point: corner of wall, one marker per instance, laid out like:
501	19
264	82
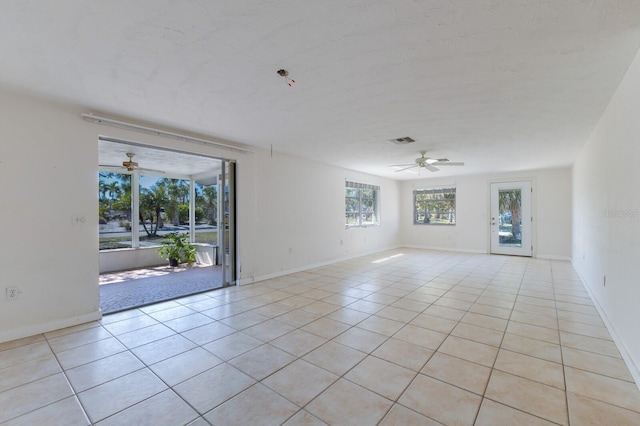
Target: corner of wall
632	364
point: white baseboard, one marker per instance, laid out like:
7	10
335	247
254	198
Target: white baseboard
448	249
473	251
31	330
632	365
250	280
264	277
553	257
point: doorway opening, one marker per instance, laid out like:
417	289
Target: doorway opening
150	197
511	218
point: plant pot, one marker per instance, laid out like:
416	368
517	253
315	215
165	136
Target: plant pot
174	262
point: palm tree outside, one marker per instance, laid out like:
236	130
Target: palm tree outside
510	201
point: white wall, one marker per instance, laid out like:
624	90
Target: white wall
306	223
48	170
551	212
606	214
48	174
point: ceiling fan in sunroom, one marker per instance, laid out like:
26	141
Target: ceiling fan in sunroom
128	165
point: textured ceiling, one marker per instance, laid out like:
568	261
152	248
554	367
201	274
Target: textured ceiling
499	84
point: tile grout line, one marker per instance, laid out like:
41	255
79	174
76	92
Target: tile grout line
66	377
402	280
499	347
564	374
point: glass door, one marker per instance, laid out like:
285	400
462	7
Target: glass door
227	226
511	218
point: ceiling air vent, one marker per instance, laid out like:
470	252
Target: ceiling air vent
402	141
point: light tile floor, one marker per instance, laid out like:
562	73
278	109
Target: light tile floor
401	338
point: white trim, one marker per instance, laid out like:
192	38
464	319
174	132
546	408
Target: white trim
553	257
123	124
31	330
634	368
544	257
418	187
534	208
417	246
526	209
251	280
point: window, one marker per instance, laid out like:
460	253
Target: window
114	210
436	206
164	207
361	204
206	213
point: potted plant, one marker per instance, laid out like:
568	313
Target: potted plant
176	248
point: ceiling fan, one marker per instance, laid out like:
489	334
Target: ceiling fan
428	163
130	165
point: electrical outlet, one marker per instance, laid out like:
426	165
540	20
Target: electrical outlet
13	293
78	220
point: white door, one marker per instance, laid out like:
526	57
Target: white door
511	218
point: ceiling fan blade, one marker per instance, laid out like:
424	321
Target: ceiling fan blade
111	167
431	168
407	168
122	169
449	163
402	165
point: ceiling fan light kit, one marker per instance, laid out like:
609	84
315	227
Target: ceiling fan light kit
428	163
130	165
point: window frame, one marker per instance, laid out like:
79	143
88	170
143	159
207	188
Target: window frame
361	200
434	191
104	176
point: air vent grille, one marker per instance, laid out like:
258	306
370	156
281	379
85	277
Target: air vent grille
402	141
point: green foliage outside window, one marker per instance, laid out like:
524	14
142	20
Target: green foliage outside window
162	202
434	206
361	204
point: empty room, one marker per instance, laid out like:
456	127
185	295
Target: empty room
320	213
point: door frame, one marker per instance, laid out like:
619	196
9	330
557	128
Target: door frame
531	181
227	237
